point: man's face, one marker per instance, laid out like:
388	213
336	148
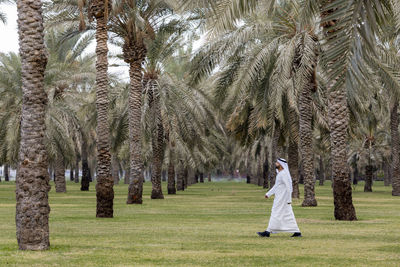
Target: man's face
277	165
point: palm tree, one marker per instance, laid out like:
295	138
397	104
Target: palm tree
100	9
135	22
32	185
349	30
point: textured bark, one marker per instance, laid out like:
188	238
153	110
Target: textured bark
134	56
293	163
157	143
105	182
115	169
171	179
6	173
321	171
338	120
369	173
85	181
394	132
338	124
59	171
32	183
305	128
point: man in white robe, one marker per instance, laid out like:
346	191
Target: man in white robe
282	217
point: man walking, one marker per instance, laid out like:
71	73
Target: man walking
282	217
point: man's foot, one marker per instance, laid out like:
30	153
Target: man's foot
298	234
264	234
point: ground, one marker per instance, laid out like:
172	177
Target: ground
210	224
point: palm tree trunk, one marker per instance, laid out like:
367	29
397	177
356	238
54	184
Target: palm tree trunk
293	163
369	172
85	181
338	120
266	171
115	169
180	184
59	171
71	174
76	177
105	183
185	178
201	177
135	104
305	135
6	173
171	179
321	171
158	145
394	132
274	145
32	182
127	175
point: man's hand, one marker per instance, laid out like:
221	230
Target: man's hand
266	196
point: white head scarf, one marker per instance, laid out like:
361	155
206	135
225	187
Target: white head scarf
285	167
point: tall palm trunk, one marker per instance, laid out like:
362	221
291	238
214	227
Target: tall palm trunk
104	187
6	173
266	171
32	183
76	176
321	171
115	169
135	56
338	120
305	119
157	143
293	151
338	124
293	163
85	181
201	177
394	132
180	183
171	179
274	145
71	174
369	173
59	171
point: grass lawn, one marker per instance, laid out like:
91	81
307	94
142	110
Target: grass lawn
210	224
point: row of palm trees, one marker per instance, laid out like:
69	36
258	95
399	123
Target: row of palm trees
273	78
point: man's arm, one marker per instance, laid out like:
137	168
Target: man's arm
271	192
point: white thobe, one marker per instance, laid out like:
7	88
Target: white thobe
282	217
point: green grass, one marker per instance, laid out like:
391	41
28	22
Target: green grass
211	224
